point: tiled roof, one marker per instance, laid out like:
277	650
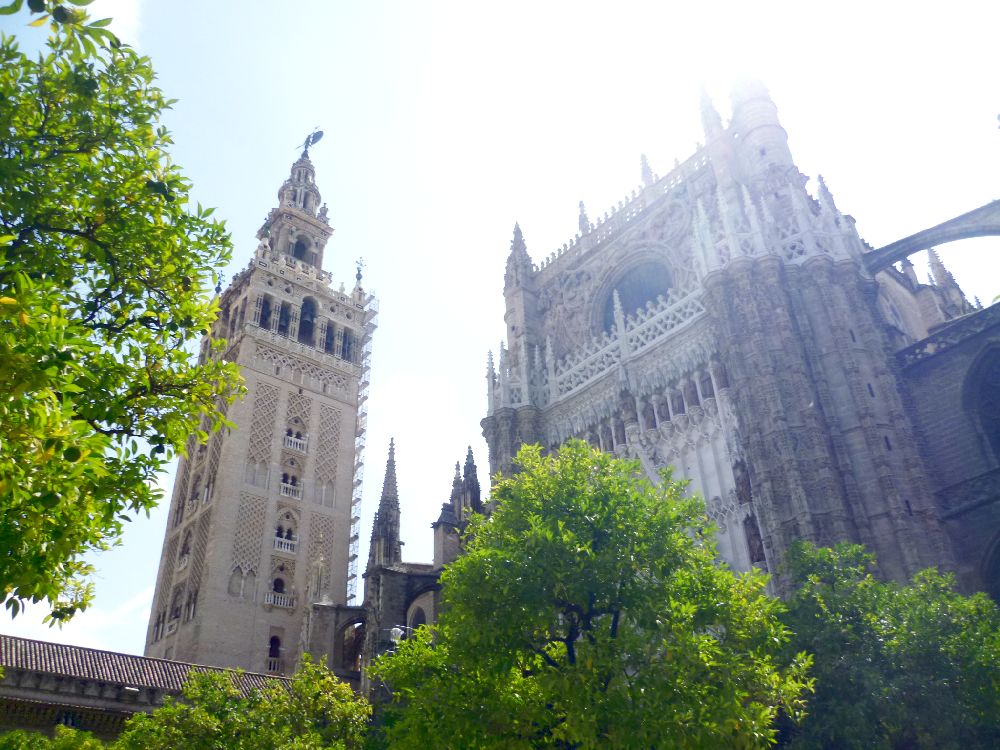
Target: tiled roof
106	666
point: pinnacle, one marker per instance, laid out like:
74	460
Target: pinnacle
517	243
390	492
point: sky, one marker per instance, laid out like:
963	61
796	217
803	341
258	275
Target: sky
446	122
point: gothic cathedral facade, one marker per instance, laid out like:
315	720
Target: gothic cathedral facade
724	321
264	518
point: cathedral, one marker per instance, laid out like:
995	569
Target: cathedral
726	319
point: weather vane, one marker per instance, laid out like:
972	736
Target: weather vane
361	264
311	140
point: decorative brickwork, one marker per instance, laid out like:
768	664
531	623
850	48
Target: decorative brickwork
249	533
262	423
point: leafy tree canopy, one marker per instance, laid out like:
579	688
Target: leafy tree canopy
588	612
105	280
313	710
915	666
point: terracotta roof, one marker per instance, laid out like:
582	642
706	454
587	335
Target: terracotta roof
106	666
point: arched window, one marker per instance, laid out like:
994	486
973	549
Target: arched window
307	322
191	606
265	312
175	606
982	398
641	284
278	586
755	545
347	347
284	318
301	249
186	544
418	618
331	332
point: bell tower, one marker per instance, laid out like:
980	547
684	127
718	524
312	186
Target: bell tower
264	518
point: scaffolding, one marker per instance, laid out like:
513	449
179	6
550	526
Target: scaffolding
371	313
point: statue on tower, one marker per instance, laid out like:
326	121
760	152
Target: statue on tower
311	140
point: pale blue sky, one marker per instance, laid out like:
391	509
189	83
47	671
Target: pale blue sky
446	122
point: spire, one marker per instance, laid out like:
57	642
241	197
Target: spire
826	197
647	173
519	267
386	548
457	487
517	244
710	119
584	221
941	275
470	481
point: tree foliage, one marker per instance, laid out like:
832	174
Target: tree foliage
589	611
105	277
312	711
915	666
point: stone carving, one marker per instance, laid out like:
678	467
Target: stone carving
317	373
299	407
321	531
200	548
327	453
249	533
262	423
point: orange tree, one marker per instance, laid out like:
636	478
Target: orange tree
589	611
105	282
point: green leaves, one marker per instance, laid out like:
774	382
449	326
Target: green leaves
914	666
103	292
589	612
313	710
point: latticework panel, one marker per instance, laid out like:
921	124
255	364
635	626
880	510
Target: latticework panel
328	444
167	570
299	407
262	423
249	533
200	547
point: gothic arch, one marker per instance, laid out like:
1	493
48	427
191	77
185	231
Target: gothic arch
307	322
645	276
981	398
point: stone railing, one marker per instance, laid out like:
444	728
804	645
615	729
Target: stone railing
291	490
275	599
952	334
646	328
285	545
296	444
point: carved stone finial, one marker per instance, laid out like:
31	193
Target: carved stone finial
584	221
647	173
517	243
710	119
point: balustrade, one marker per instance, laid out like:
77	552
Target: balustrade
291	490
279	600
